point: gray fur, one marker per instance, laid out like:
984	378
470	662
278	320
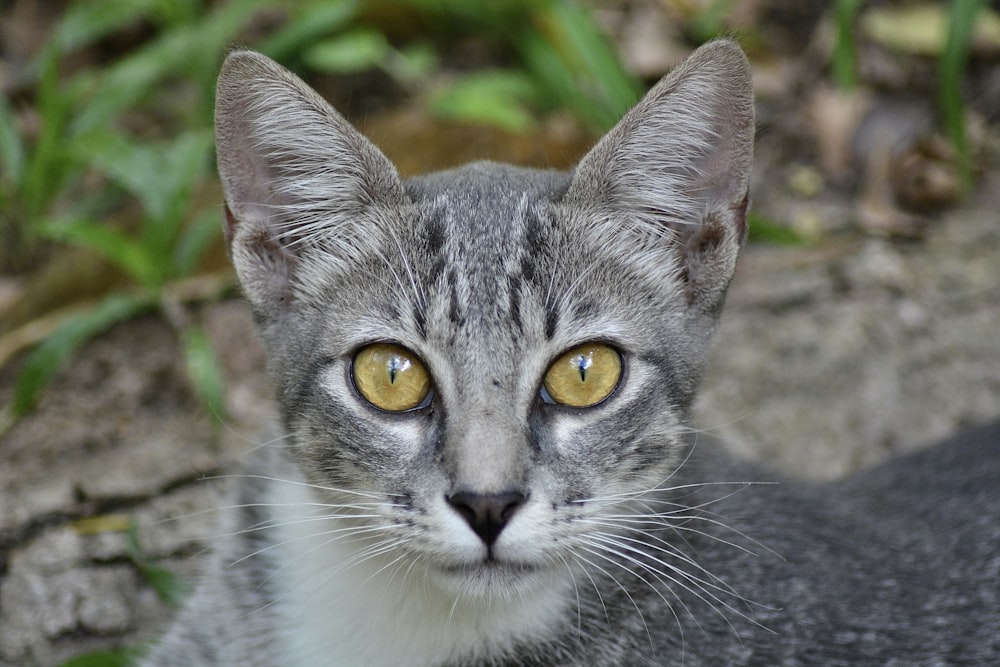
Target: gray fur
640	543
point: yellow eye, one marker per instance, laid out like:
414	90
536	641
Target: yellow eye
390	377
584	376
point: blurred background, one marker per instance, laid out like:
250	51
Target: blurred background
863	321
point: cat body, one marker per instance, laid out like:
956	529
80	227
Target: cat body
484	377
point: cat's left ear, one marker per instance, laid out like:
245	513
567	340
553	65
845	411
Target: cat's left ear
675	172
304	189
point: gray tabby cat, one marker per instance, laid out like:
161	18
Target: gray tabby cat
484	377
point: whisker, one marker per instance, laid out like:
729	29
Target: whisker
612	556
677	523
373	550
275	523
634	495
576	591
672	551
690	583
350	530
642	618
597	589
319	487
360	507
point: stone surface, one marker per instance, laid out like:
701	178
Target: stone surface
878	348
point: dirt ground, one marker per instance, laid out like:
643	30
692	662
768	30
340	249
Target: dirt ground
832	355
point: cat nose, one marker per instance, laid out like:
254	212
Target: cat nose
486	513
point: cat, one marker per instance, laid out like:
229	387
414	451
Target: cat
484	377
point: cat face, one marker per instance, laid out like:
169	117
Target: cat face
473	325
488	368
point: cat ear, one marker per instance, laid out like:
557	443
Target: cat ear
297	177
676	169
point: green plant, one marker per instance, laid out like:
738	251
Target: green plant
33	173
927	30
81	134
562	58
160	175
41	171
766	230
163	247
951	66
845	49
710	22
564	49
169	587
119	658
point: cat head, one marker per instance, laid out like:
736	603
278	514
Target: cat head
498	353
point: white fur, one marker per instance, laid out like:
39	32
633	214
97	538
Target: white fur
381	613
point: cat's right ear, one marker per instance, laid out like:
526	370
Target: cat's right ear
668	185
300	182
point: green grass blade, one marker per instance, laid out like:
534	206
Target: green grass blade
160	175
52	353
354	51
951	69
125	657
11	149
190	51
112	244
493	97
616	89
308	23
169	586
572	58
845	50
765	230
85	22
204	371
49	162
194	241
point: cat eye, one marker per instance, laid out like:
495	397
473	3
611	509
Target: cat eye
583	376
391	377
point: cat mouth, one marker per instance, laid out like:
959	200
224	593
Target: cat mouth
491	564
489	578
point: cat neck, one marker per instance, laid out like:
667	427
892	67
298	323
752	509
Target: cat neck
347	606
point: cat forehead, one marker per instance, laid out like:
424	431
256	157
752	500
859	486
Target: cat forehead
496	245
483	199
483	224
484	181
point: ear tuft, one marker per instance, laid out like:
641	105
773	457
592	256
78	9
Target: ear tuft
264	264
708	259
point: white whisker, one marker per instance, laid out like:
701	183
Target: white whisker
318	487
599	554
692	584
